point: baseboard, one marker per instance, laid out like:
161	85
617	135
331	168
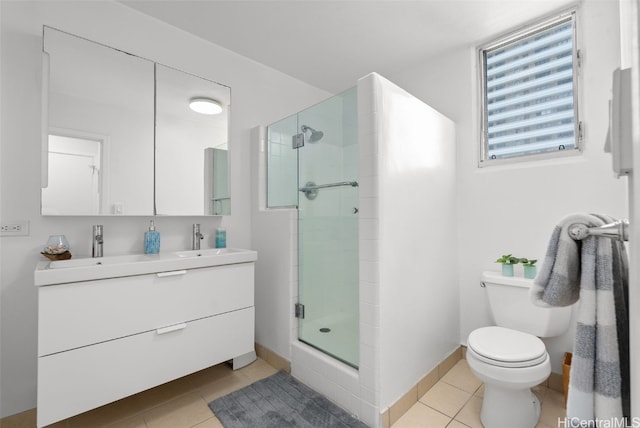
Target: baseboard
272	358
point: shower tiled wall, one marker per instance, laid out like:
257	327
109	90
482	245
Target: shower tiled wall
282	164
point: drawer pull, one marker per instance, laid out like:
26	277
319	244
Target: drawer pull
171	328
172	273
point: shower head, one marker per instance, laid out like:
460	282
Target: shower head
315	135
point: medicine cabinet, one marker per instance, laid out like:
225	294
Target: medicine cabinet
121	138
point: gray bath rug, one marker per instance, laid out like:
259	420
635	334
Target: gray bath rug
280	401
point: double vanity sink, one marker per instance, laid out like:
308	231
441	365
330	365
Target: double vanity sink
73	270
110	327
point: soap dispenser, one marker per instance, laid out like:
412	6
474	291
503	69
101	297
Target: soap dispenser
151	240
221	238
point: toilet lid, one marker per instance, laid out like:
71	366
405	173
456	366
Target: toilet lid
506	347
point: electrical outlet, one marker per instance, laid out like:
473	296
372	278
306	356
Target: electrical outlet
15	228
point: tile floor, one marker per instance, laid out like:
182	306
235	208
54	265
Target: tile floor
453	402
182	403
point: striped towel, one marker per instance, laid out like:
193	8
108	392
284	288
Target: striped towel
593	271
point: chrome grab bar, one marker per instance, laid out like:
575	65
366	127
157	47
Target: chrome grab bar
310	189
617	230
310	186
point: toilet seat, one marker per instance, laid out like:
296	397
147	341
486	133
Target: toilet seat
504	347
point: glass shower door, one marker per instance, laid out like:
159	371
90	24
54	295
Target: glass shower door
328	227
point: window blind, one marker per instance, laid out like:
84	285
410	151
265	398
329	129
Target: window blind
529	93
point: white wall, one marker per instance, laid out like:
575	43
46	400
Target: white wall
260	95
512	209
416	317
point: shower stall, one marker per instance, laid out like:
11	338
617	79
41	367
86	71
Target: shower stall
354	224
316	168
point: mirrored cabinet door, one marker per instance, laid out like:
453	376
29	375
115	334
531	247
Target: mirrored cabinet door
100	129
191	146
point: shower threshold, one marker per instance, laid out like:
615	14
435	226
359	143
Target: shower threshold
324	351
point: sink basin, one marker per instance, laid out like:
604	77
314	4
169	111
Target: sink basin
207	252
87	269
100	261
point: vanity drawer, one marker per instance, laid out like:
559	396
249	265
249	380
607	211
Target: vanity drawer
84	313
75	381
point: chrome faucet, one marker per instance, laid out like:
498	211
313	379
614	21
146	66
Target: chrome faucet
96	249
196	237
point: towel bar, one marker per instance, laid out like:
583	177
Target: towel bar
310	189
617	230
311	186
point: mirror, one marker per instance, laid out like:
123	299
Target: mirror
191	147
103	157
103	96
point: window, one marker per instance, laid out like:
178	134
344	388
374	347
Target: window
529	93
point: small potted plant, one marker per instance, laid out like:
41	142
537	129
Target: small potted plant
507	262
529	268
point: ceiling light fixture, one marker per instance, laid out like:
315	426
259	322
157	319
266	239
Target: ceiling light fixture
205	105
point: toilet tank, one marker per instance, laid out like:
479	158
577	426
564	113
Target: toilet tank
512	308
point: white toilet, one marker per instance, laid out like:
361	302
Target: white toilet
509	357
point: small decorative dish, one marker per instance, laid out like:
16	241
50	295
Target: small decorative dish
61	256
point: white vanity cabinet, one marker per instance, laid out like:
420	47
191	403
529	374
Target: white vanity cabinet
102	340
